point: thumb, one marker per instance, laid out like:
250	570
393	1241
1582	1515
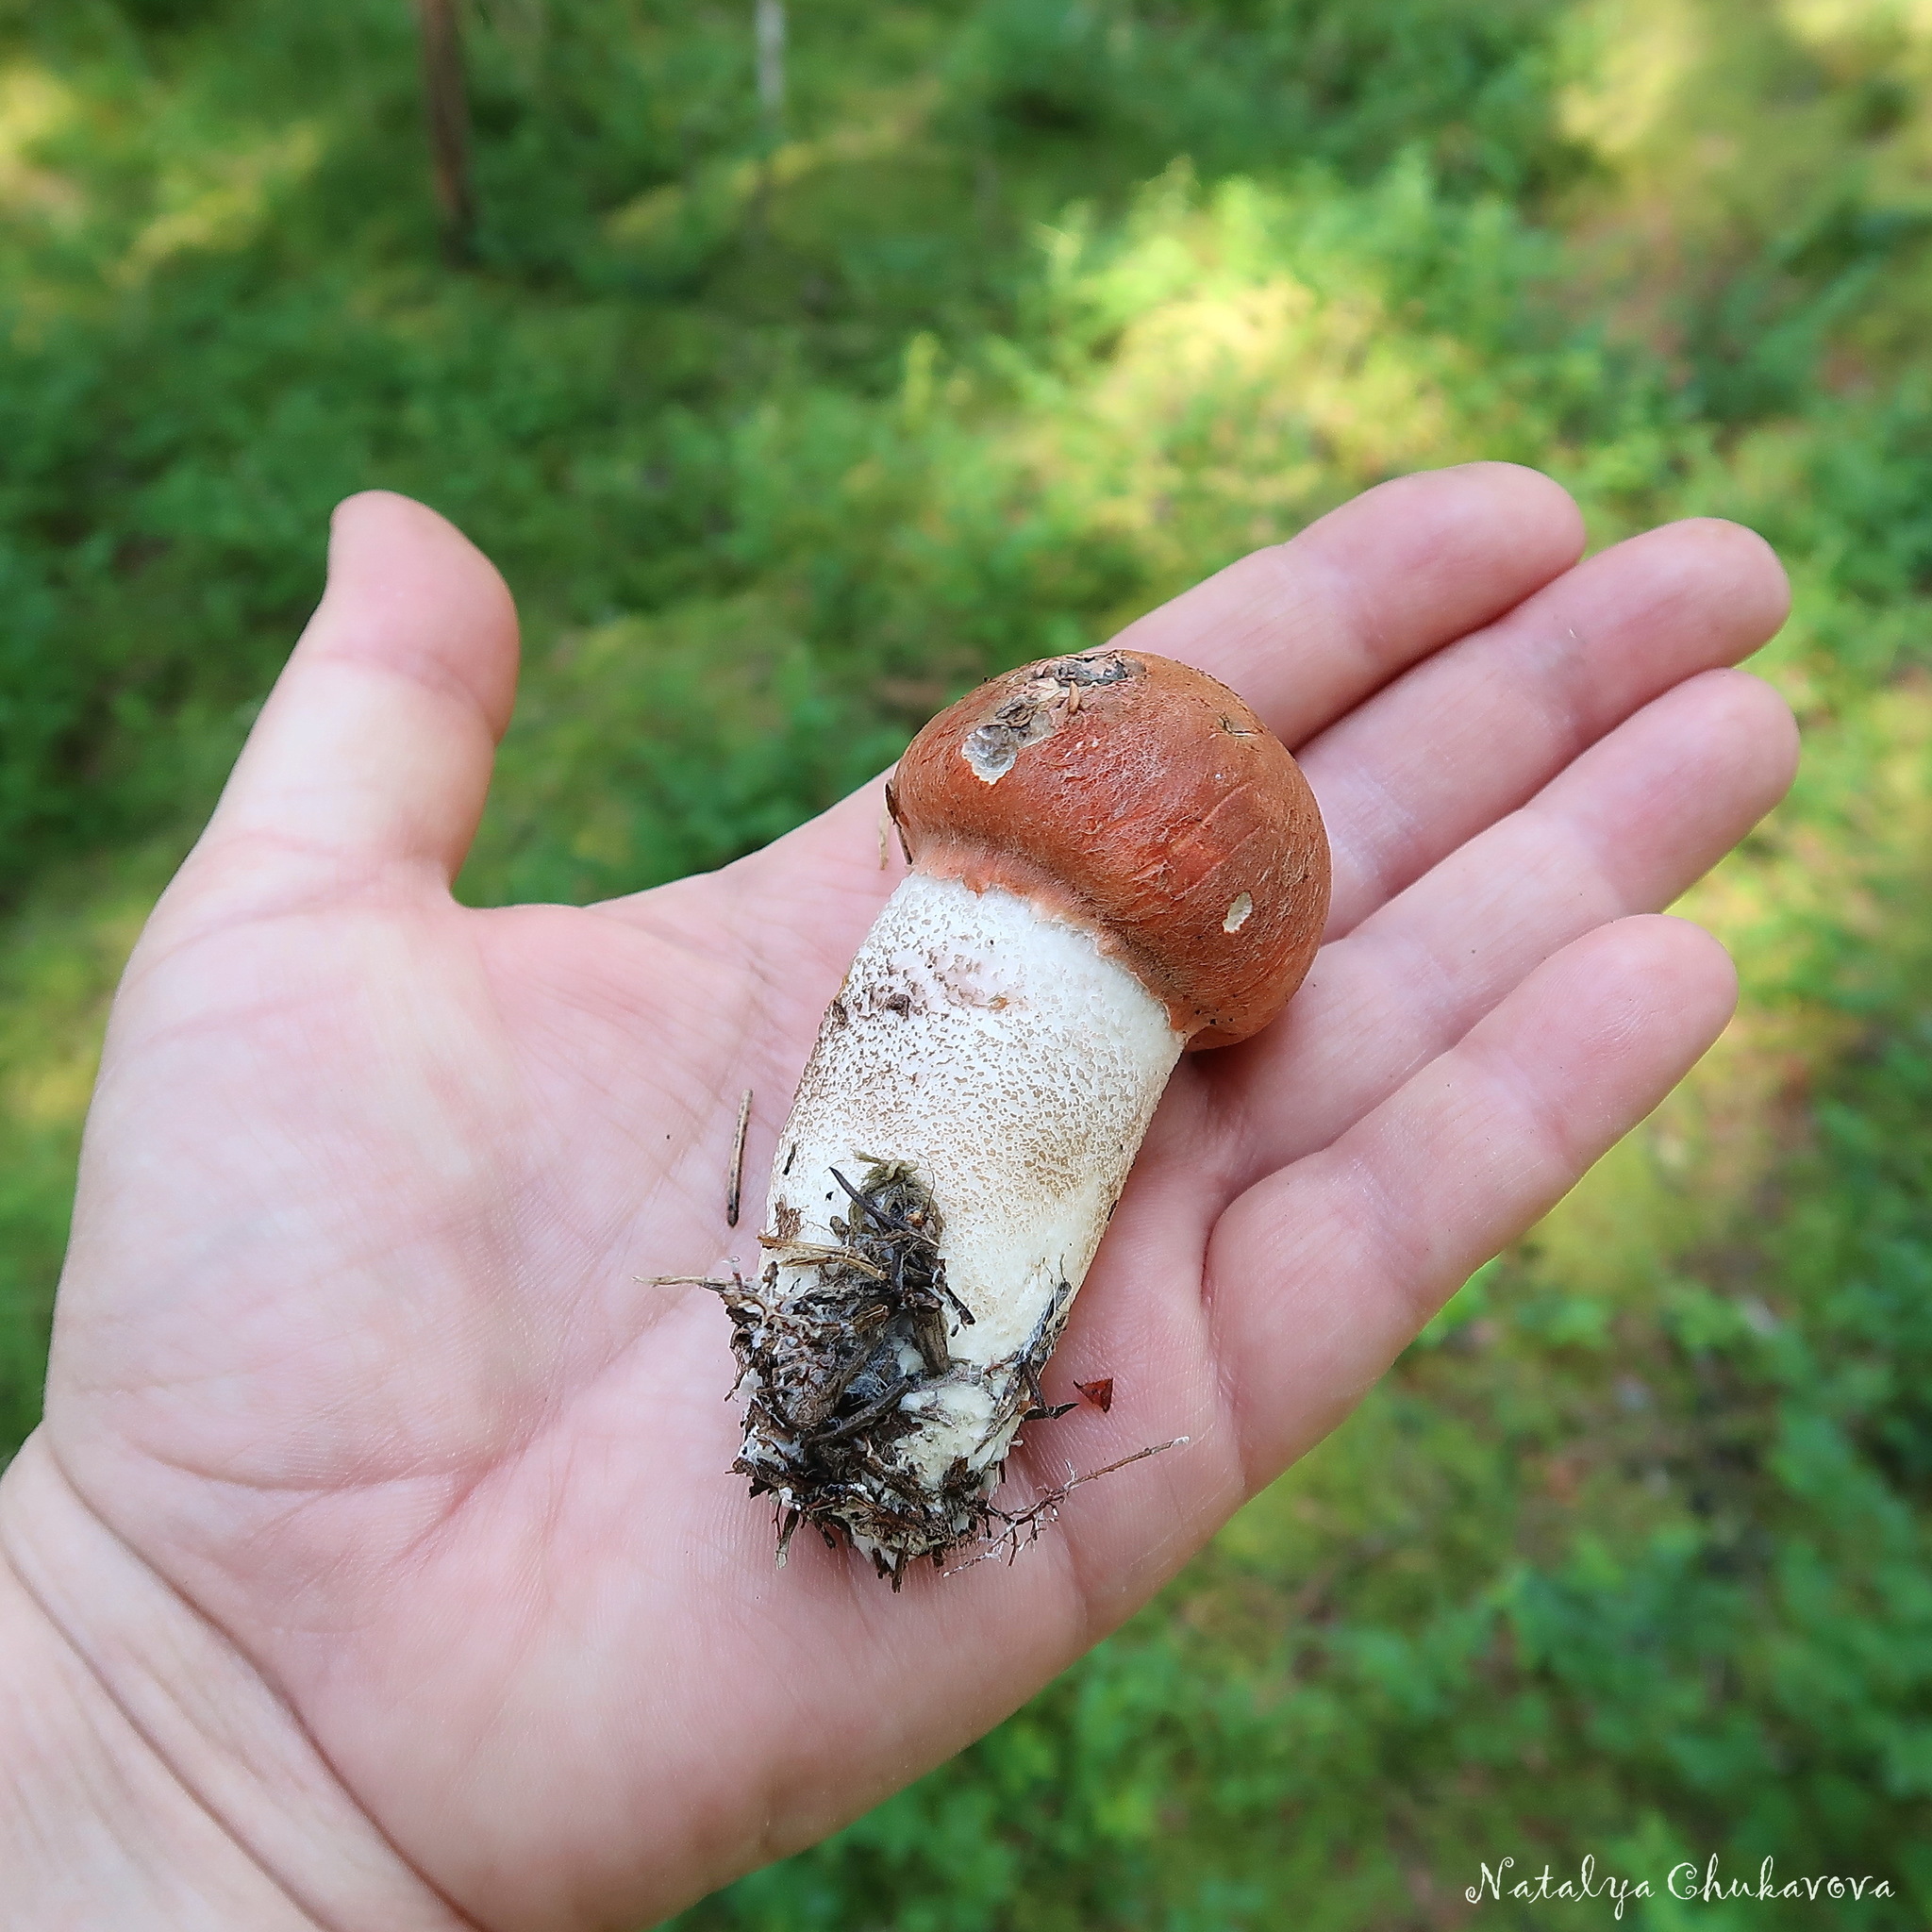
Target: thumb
376	747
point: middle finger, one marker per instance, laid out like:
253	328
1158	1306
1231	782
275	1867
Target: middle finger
1624	830
1472	732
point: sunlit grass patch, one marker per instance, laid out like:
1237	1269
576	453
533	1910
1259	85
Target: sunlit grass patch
1034	314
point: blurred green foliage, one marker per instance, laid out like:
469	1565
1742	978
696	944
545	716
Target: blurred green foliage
1037	312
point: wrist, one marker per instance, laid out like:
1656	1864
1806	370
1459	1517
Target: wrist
94	1829
148	1774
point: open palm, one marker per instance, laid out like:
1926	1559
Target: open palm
359	1370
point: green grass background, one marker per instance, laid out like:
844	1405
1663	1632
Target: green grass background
1035	313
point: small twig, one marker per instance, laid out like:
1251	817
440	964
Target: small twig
814	1255
869	1414
737	1183
893	1226
865	1207
1039	1515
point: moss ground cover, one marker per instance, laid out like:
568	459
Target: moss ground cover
1034	313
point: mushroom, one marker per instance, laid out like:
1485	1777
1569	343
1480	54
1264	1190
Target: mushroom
1112	860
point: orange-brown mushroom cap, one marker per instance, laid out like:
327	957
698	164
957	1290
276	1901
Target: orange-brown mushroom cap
1141	799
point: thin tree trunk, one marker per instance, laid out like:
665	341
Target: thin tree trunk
768	23
770	19
446	110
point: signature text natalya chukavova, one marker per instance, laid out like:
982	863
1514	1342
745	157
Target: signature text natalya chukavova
1683	1881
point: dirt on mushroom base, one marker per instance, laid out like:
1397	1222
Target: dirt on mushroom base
829	1369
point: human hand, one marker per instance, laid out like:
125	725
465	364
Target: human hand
380	1523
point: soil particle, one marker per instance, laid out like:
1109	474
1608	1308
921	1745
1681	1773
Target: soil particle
834	1371
1040	708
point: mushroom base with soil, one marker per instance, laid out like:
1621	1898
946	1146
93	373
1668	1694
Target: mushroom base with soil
982	1055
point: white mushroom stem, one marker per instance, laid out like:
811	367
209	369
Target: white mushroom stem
1016	1066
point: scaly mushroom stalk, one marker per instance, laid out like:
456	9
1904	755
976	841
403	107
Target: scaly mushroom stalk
1113	860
